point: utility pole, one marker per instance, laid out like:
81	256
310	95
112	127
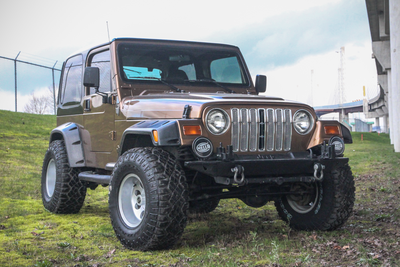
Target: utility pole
312	89
54	88
341	88
341	78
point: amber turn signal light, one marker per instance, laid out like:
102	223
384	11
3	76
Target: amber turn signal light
191	130
331	130
155	135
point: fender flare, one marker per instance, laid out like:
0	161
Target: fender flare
70	133
168	133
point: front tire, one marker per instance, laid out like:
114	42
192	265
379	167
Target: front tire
148	199
62	191
328	205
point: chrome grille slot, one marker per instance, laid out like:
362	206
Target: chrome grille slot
279	130
261	129
244	130
253	129
287	129
235	129
270	129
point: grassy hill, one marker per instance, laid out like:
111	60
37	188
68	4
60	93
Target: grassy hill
232	235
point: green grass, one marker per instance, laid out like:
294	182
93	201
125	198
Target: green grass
232	235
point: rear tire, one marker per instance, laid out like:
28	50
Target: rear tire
203	206
148	199
328	206
62	191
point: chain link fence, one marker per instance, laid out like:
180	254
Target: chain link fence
23	77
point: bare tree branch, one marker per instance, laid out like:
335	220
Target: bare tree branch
43	104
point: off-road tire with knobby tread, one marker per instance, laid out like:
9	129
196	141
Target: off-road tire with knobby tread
164	186
66	193
203	206
333	206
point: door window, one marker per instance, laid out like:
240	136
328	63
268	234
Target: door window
72	81
226	70
102	61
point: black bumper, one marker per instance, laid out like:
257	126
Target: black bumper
259	168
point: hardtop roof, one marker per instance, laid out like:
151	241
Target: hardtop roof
146	40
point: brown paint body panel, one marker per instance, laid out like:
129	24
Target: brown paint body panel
102	125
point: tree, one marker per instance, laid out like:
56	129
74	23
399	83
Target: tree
42	104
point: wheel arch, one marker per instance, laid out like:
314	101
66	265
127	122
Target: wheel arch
70	134
142	135
131	140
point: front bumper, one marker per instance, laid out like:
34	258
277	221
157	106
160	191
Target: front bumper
277	168
263	167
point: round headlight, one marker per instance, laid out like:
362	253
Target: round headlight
217	121
303	122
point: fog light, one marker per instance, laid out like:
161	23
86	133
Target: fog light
202	147
338	143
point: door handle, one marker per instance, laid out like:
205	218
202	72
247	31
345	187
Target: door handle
87	104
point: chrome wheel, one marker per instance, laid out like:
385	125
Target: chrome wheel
132	200
303	203
51	176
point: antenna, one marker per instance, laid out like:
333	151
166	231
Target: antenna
108	32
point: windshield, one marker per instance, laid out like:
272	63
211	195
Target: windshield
179	64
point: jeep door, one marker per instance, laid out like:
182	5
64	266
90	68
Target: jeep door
99	112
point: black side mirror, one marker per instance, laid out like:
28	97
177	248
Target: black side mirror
261	83
91	77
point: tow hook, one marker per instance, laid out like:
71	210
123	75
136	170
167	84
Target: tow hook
319	168
239	171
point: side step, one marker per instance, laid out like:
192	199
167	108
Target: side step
95	178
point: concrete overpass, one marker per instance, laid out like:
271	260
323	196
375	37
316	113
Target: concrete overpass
384	23
342	109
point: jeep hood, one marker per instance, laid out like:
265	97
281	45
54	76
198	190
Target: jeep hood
171	106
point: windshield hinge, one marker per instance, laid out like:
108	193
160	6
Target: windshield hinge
186	112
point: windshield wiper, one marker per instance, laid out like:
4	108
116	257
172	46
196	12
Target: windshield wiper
214	82
160	80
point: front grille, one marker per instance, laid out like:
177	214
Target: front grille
261	129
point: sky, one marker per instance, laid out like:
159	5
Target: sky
294	43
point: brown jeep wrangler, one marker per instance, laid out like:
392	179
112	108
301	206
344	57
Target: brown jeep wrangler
173	127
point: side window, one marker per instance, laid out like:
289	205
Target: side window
102	61
72	81
189	70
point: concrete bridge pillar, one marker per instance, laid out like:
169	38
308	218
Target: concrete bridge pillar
385	124
394	11
377	122
343	118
